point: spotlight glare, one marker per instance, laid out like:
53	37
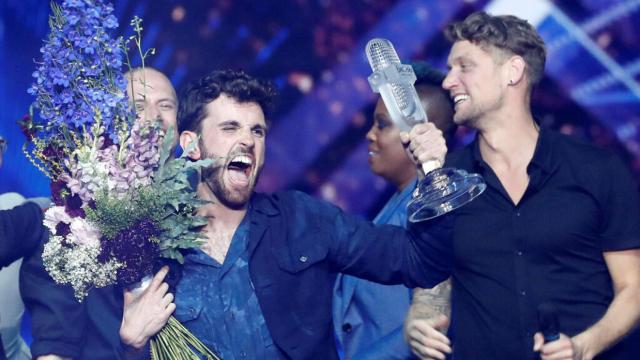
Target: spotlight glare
178	13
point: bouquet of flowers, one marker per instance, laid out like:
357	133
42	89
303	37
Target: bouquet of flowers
121	202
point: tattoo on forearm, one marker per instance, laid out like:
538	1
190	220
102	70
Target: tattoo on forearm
429	303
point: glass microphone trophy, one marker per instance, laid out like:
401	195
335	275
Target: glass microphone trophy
442	189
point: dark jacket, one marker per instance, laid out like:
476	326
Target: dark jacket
297	245
61	325
20	232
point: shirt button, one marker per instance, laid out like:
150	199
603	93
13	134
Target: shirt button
243	354
523	293
519	253
303	258
517	213
192	311
346	328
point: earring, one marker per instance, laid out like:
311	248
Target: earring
511	82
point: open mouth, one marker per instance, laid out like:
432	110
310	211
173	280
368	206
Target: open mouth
239	169
457	99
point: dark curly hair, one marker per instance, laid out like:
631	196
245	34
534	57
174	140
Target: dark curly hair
235	84
426	74
506	32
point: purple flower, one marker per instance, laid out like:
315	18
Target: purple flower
73	206
106	143
59	191
105	250
27	127
50	151
135	247
63	229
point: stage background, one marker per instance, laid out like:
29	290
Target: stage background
314	52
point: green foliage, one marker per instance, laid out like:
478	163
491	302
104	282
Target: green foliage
113	215
169	201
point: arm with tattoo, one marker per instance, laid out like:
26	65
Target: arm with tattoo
426	324
429	303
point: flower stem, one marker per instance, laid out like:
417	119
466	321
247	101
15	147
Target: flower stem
176	342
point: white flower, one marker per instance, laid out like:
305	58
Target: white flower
83	233
54	216
78	266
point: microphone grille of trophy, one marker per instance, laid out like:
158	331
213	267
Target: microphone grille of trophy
382	54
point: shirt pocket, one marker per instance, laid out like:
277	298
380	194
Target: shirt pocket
305	280
297	260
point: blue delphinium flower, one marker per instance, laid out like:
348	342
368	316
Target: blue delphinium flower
79	79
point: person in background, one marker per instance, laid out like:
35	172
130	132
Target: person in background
20	232
558	225
368	317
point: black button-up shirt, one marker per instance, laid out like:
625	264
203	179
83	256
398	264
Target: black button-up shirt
580	202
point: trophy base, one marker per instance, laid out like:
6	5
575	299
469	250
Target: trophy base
443	190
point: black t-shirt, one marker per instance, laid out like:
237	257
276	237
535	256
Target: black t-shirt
580	202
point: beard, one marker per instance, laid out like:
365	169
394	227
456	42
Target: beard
467	118
213	177
467	112
473	113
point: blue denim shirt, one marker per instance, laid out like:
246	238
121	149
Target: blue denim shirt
367	316
218	304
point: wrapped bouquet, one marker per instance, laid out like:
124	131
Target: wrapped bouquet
120	200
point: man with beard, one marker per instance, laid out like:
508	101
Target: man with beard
261	286
558	225
63	328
